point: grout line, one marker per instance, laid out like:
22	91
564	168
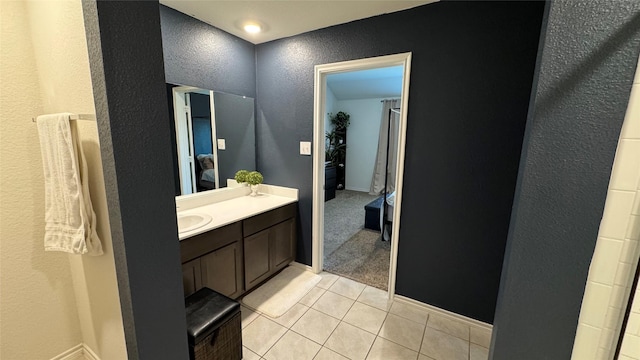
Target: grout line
423	333
277	341
469	342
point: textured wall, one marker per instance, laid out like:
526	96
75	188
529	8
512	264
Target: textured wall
125	50
235	123
584	77
471	76
197	54
37	294
65	82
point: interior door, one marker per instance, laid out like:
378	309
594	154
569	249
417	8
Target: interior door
184	131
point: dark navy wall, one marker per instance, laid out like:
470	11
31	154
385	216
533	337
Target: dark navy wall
585	76
471	77
200	55
125	48
235	123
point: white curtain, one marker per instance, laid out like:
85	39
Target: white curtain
389	124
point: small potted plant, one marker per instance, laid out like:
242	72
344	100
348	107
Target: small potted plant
241	177
254	179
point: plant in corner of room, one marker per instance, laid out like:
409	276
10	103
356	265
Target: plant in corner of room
340	121
335	150
241	176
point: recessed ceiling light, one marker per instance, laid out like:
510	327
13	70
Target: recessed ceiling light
252	28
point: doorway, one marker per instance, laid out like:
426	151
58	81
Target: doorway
320	91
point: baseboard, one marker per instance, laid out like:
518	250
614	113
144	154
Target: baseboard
358	190
301	266
89	354
78	352
444	313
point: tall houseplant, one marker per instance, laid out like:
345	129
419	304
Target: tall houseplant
336	144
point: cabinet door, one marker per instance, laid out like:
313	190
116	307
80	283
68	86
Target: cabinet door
256	258
191	277
282	244
222	270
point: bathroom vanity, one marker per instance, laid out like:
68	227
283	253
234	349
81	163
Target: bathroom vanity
247	240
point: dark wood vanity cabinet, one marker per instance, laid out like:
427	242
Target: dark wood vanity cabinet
214	259
235	258
269	244
191	276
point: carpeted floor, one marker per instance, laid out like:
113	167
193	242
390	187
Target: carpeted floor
349	249
363	258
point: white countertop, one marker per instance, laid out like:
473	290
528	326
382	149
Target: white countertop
226	207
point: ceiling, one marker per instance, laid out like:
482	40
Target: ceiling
283	18
367	84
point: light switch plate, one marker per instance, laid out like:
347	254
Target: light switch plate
305	147
221	144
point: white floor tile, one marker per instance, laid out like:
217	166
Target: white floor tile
261	334
326	354
327	280
365	317
375	297
481	337
350	341
442	346
333	304
347	288
291	316
384	350
312	296
293	346
247	315
410	312
478	353
315	326
449	326
402	331
249	355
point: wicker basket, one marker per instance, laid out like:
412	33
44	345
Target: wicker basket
225	343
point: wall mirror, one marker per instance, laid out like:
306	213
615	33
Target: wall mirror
214	136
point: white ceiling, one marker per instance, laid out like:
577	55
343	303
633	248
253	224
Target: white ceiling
367	84
284	18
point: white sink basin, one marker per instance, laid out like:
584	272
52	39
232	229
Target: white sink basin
192	221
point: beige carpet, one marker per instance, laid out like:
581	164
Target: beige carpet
364	258
284	290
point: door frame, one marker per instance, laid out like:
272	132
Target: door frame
319	103
185	91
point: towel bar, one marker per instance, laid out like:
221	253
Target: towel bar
90	117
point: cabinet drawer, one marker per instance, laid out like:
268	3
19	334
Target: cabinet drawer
268	219
195	246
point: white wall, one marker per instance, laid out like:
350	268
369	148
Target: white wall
330	107
51	301
362	140
38	305
616	253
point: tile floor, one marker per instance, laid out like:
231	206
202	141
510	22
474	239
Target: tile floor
344	319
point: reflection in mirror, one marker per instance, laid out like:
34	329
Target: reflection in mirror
209	146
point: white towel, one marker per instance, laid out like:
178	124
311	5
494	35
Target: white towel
70	222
